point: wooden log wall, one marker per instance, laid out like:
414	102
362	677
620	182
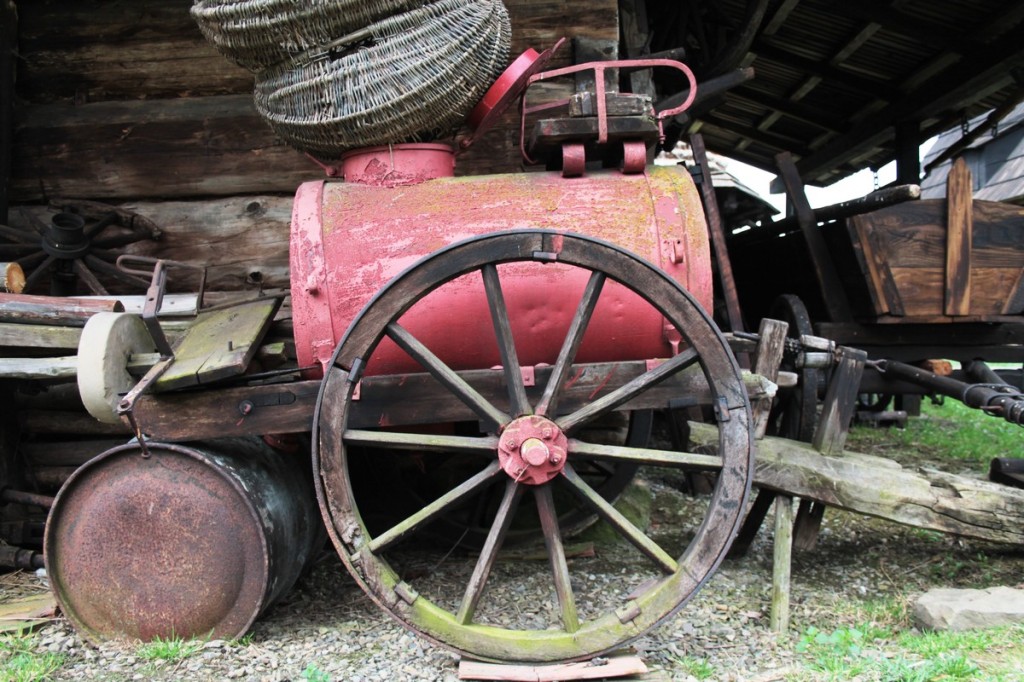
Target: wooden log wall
125	102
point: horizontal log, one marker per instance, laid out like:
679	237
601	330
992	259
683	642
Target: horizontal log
880	487
55	423
67	453
38	336
49	310
59	369
874	201
288	407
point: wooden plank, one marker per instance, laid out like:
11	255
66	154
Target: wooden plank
219	344
67	453
879	487
771	346
60	369
603	668
840	402
59	422
13	335
190	146
872	267
959	238
807	524
831	287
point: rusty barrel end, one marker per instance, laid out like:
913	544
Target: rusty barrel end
190	541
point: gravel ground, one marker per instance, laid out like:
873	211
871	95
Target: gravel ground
326	629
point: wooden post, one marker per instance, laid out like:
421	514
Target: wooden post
807	524
840	402
770	347
752	524
717	230
908	158
959	235
781	564
831	287
8	48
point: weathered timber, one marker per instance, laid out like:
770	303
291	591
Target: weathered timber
58	369
54	423
288	407
242	241
66	453
71	312
840	402
888	196
612	667
782	554
219	344
717	232
882	488
194	146
770	348
159	113
829	284
904	252
807	524
38	336
8	46
959	230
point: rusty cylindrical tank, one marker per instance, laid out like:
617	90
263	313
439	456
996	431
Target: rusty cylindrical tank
192	540
350	238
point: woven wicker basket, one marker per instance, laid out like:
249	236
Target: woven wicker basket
257	34
413	76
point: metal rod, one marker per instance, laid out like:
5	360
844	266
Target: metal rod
20	497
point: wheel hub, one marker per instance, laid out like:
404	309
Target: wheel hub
532	450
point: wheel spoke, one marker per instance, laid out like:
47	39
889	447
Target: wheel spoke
506	344
627	392
446	375
422	441
664	458
85	274
556	552
549	401
37	274
489	553
614	517
19	236
434	509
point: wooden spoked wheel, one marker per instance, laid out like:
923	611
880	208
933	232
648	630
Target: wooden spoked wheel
531	441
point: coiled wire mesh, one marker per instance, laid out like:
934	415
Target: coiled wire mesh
409	77
257	34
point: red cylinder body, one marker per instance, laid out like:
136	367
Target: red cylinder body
348	240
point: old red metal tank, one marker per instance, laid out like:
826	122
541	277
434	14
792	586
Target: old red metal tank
350	238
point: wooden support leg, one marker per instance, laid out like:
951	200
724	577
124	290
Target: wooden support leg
770	347
807	524
840	402
781	563
752	524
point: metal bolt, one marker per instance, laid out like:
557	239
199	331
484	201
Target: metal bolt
545	433
555	459
245	407
511	443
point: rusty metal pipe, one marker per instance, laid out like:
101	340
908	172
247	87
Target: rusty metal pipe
23	559
997	399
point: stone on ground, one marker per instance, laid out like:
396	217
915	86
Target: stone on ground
953	609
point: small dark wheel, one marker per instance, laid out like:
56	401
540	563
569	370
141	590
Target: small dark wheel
795	412
531	442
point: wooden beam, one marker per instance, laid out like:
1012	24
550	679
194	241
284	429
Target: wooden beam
840	402
8	48
717	230
791	108
974	77
771	140
771	50
921	29
783	11
831	287
782	556
959	238
879	487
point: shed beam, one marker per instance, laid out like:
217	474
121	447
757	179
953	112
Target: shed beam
974	78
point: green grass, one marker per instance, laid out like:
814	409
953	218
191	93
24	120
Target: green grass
871	650
312	673
698	668
19	662
949	431
172	649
